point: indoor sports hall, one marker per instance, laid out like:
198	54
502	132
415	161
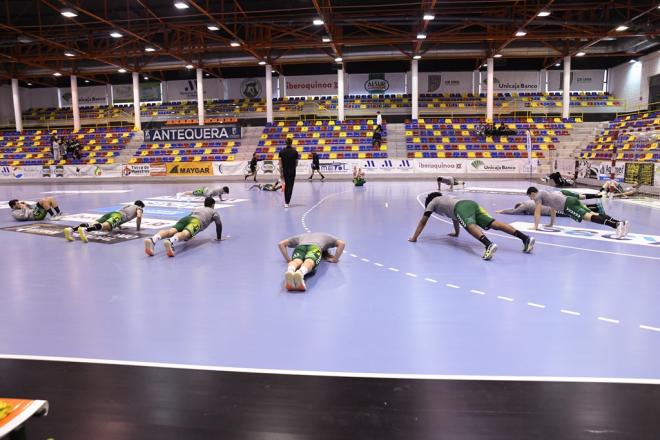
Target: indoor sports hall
322	219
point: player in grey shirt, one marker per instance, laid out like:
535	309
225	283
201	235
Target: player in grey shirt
108	222
472	217
187	228
206	191
308	249
526	208
24	211
573	208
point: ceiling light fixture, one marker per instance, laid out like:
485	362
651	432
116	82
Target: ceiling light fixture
326	39
234	44
421	36
86	81
69	13
29	84
318	22
23	39
417	57
580	54
262	63
428	16
621	28
122	70
189	66
557	64
57	74
69	54
181	5
339	60
212	27
633	61
115	34
521	33
543	13
497	55
146	78
149	49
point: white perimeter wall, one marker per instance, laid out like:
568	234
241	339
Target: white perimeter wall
630	81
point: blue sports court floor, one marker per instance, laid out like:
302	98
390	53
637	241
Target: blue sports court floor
582	305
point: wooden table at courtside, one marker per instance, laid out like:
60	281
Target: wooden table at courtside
22	409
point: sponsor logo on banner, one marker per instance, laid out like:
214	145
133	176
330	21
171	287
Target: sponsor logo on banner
225	131
439	166
386	165
605	169
495	166
158	170
376	84
6	172
502	85
55	230
251	88
59	170
190	169
335	167
591	234
136	170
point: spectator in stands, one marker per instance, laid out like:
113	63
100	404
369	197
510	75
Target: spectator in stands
288	164
253	167
377	137
55	148
316	166
379	119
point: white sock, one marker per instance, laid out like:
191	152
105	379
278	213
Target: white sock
303	270
291	269
174	239
155	238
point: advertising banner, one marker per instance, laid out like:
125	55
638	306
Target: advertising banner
251	88
512	81
136	170
501	166
178	169
310	85
581	80
199	133
186	90
445	82
376	83
440	166
87	96
149	92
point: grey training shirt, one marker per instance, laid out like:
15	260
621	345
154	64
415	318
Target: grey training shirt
527	208
443	205
213	192
129	212
207	215
323	241
555	200
23	214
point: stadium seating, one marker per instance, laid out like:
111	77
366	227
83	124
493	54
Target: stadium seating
636	138
214	151
457	138
350	139
32	147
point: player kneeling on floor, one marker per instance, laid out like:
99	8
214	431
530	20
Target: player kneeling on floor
308	249
24	211
186	228
358	176
109	221
472	217
573	208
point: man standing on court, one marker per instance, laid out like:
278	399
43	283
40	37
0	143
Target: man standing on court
288	163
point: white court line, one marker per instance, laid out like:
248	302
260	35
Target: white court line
538	306
353	255
413	275
378	264
621	254
478	292
505	298
648	327
453	286
393	269
430	280
375	375
364	259
610	320
570	312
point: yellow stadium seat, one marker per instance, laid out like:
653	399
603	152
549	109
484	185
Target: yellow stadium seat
418	154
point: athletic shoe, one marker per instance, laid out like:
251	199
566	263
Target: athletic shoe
149	247
309	178
169	247
322	177
68	234
82	235
529	245
619	230
299	281
286	205
179	195
289	283
490	250
626	227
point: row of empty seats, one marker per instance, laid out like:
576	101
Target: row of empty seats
213	151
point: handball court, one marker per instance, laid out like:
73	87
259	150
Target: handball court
397	340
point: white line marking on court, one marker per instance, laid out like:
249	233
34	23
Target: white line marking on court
538	306
478	292
621	254
453	286
570	312
414	275
648	327
393	269
610	320
430	280
365	260
375	375
506	298
378	264
353	255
